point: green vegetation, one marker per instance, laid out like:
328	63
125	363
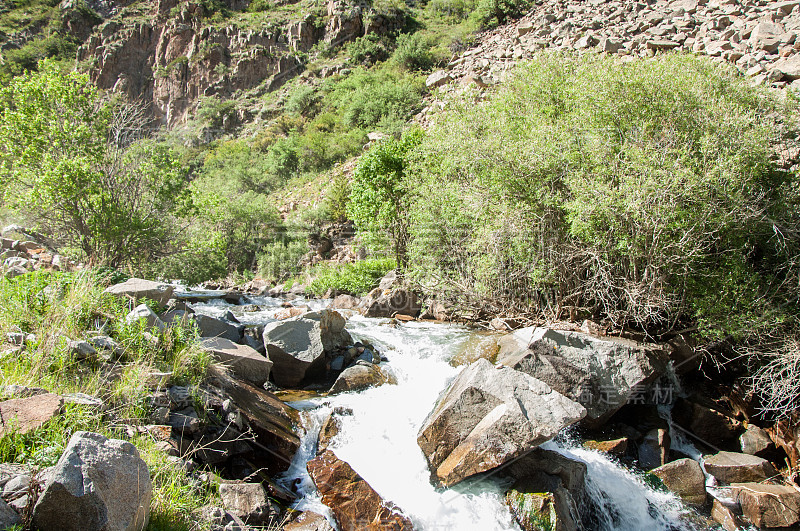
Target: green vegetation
65	165
56	306
356	279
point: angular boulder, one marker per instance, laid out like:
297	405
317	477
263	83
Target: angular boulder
359	377
99	484
685	478
249	502
150	318
706	423
21	415
244	361
488	416
387	303
309	521
297	346
768	505
755	440
274	425
138	288
212	327
732	467
534	510
601	374
355	505
344	302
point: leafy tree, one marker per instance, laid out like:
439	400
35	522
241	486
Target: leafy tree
70	164
379	195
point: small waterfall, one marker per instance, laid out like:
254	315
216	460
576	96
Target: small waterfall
379	441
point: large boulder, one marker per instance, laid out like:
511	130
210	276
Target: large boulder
732	467
21	415
768	505
274	425
212	327
244	361
297	346
685	478
712	425
355	505
601	374
99	484
488	416
359	377
149	316
535	510
387	303
138	288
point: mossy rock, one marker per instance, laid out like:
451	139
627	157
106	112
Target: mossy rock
534	511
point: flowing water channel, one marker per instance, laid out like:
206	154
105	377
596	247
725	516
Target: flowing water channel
379	439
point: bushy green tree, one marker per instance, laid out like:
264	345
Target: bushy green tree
379	198
67	164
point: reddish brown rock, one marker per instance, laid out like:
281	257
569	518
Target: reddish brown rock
769	505
613	447
22	415
355	505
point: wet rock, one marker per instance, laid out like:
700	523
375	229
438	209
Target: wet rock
359	377
21	415
475	348
535	510
288	313
767	506
707	424
274	425
616	447
309	521
297	346
213	327
98	484
732	467
327	431
685	478
244	361
249	502
654	448
549	471
355	505
150	318
601	374
488	416
754	440
724	516
138	288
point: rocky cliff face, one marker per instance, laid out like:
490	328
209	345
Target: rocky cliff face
170	55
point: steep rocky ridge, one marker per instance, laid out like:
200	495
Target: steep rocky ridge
170	54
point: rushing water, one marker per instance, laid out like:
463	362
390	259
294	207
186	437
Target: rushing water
379	439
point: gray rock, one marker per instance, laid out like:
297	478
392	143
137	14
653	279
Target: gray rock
213	327
106	343
144	312
16	487
387	303
732	467
185	421
437	79
249	502
82	399
601	374
297	346
788	67
654	449
244	361
344	302
488	416
685	478
82	349
8	516
754	440
360	377
98	484
138	288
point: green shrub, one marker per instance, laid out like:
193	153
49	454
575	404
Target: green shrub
357	278
368	49
302	100
452	10
279	259
416	51
337	197
645	193
492	13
